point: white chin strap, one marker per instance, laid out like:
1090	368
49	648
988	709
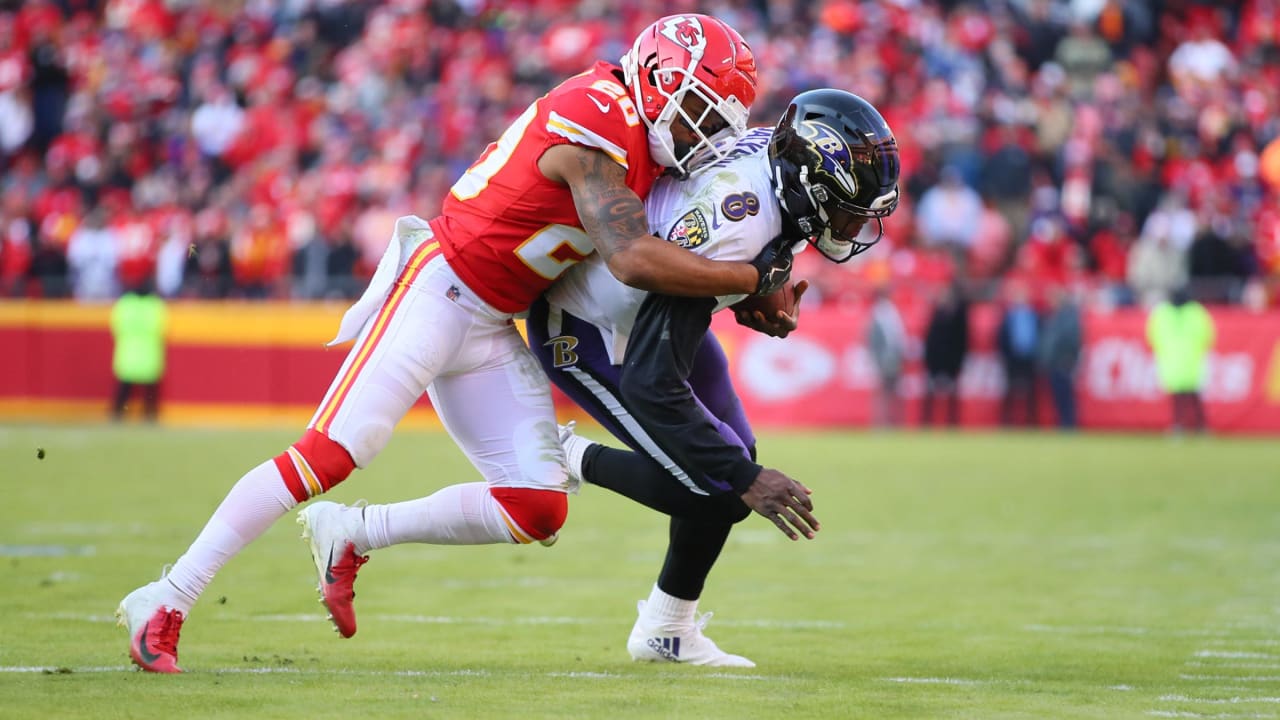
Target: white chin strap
834	249
662	149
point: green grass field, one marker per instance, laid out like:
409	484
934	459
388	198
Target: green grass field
956	576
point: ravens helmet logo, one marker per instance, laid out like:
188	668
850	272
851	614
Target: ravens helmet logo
834	157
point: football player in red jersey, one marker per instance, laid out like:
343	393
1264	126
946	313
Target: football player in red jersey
566	179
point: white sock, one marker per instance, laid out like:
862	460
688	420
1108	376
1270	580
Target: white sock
464	514
357	529
663	609
253	504
575	450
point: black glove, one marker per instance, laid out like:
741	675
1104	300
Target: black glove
774	265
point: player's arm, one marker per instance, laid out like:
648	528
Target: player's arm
614	218
667	334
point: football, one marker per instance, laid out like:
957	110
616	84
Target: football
783	299
786	299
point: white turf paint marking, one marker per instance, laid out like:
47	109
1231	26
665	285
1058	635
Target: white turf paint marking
72	616
1220	701
1184	714
1235	655
1232	678
545	620
1250	666
576	674
1263	642
936	681
258	671
17	551
452	620
1225	634
1122	688
55	669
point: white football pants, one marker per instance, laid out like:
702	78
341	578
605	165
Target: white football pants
421	329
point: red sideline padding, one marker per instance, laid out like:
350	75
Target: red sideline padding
822	374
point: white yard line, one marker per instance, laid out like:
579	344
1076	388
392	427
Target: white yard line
1219	635
1235	655
1250	666
1220	701
935	681
53	669
457	620
1259	642
18	551
1223	715
1232	678
465	672
540	620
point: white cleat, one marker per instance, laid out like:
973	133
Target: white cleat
679	644
329	529
153	628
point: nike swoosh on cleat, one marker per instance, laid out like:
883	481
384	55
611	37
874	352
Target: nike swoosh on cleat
328	569
147	656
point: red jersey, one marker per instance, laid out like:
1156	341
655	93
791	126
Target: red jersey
507	230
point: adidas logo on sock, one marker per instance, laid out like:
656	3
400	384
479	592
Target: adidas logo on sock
668	647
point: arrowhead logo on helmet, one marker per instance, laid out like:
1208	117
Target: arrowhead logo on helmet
685	31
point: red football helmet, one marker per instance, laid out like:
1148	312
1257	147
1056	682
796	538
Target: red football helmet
688	54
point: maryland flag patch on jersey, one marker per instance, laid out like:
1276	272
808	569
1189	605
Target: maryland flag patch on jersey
690	230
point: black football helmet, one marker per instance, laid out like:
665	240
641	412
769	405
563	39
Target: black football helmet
835	168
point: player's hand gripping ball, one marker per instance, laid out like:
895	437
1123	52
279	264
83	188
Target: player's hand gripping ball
775	314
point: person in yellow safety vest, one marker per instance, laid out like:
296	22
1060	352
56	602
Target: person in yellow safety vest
138	322
1181	333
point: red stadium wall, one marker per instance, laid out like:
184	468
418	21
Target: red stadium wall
822	374
241	363
252	362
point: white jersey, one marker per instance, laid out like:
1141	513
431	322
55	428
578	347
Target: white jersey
724	211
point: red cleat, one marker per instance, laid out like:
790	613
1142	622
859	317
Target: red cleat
337	562
153	629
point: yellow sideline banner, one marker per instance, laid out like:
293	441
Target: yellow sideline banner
195	322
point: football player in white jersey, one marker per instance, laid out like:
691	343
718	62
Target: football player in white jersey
645	367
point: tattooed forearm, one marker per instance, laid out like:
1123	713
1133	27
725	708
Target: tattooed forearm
610	211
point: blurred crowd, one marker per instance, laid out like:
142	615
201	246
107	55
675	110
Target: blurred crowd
1122	149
